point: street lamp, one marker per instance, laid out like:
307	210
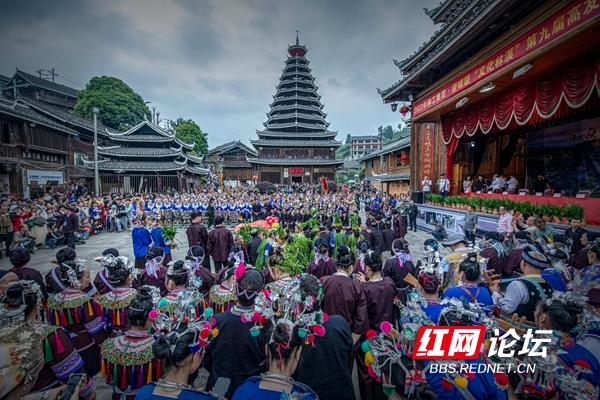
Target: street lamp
96	110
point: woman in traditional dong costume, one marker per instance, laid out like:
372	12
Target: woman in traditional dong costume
60	357
180	350
54	284
101	282
222	296
291	324
183	293
127	360
154	273
116	301
195	260
78	314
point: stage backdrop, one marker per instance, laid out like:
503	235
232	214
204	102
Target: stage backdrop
566	155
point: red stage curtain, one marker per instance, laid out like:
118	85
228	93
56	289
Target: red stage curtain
527	104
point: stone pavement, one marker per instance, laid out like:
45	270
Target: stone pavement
94	246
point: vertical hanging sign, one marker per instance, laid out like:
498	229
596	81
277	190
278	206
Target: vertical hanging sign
427	143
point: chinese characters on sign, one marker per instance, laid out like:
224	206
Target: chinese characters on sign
296	171
561	22
427	143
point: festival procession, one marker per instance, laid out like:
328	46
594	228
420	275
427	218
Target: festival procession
448	249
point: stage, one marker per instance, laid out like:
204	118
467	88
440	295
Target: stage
590	205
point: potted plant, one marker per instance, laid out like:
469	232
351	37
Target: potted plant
571	211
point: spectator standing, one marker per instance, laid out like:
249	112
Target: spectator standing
541	184
505	224
443	185
39	230
70	226
413	213
426	185
220	241
210	212
471	219
141	240
6	229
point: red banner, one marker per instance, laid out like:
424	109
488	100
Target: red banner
296	171
560	23
427	142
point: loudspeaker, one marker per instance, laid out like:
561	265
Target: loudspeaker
417	197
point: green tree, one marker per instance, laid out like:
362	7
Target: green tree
188	131
348	139
120	106
342	152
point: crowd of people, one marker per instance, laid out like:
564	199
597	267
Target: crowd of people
281	295
498	183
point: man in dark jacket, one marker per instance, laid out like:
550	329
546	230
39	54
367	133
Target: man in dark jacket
197	235
388	237
210	212
376	241
254	245
71	225
220	241
413	212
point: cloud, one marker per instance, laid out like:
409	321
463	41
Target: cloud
218	62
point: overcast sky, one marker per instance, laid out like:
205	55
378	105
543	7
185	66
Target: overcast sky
218	62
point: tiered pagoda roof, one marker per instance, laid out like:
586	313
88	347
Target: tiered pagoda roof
296	117
147	148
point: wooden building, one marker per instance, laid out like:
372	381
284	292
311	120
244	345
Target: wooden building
389	167
296	145
23	84
506	87
146	158
229	160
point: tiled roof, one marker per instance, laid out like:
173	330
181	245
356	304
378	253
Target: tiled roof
458	19
120	165
21	110
391	177
4	80
196	170
291	161
323	134
67	117
230	145
139	151
295	143
193	158
236	164
388	148
46	84
141	138
153	127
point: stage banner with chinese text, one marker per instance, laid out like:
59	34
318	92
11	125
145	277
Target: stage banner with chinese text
565	20
427	144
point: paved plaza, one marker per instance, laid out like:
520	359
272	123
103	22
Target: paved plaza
42	258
